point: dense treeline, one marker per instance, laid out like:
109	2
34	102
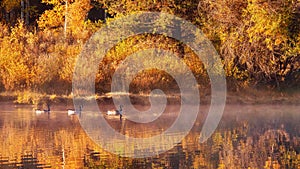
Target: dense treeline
258	40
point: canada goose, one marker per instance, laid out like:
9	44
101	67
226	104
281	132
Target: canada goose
48	109
39	111
73	111
115	112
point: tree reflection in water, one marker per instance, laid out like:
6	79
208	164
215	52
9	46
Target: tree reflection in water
27	162
226	149
242	140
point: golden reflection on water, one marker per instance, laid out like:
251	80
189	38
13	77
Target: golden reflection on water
57	140
53	139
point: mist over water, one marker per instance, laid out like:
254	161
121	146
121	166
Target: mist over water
247	136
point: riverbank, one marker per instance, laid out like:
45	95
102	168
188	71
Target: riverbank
245	96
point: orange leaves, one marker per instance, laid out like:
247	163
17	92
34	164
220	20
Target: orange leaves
15	71
71	16
266	24
255	43
52	18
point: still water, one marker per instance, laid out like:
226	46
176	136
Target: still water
254	136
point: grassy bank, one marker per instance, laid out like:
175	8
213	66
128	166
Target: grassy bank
237	96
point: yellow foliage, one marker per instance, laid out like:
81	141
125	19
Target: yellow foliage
253	37
15	59
52	18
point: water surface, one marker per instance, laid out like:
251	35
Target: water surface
254	136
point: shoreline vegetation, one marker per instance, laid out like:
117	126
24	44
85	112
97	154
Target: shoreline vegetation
258	42
245	97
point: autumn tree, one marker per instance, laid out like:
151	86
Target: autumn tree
67	14
258	40
15	58
183	9
254	37
9	9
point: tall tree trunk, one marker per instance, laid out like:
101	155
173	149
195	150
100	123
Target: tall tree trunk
7	17
12	17
2	15
27	12
22	10
66	20
177	32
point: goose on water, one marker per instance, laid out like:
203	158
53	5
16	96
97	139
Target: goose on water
39	111
73	111
115	112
